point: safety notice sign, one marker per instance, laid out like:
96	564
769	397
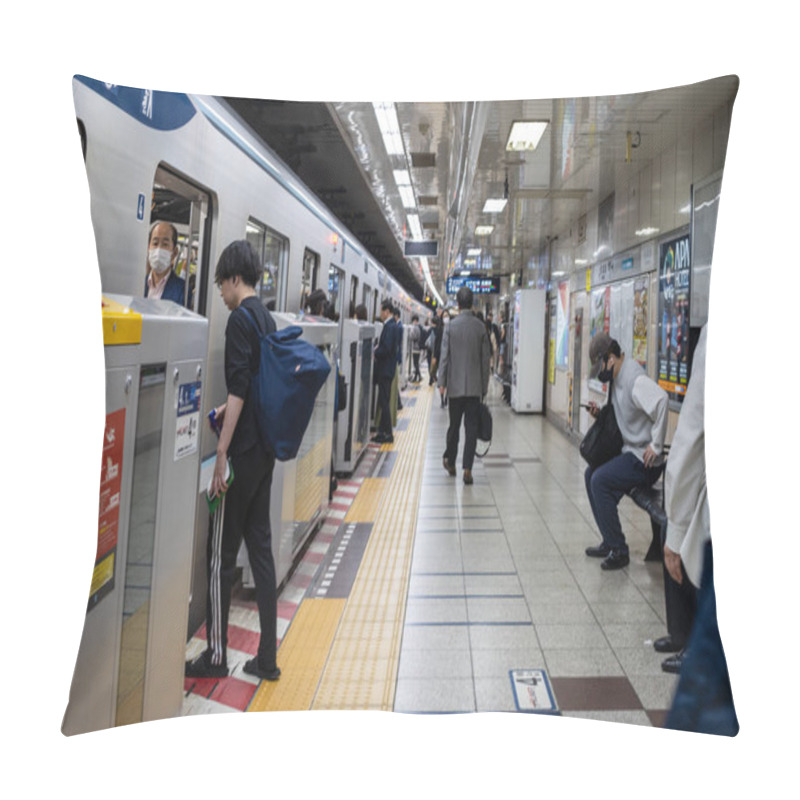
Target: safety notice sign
532	691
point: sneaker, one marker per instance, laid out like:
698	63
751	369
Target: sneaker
202	668
251	667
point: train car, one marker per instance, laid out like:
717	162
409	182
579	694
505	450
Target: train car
189	160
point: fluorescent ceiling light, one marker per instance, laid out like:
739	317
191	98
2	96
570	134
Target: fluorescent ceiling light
525	135
557	274
646	231
494	205
386	115
407	195
474	251
484	230
416	228
686	209
402	178
581	262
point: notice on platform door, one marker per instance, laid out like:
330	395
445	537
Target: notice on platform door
187	429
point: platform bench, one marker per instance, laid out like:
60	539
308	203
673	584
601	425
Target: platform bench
651	499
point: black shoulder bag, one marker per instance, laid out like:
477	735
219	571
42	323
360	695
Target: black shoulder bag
603	441
484	428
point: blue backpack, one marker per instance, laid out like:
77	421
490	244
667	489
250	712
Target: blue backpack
290	374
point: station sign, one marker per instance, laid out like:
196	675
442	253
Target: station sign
428	247
476	284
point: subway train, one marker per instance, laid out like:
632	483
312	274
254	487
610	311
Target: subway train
191	161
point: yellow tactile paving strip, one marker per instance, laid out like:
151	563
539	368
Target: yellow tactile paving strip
301	657
365	507
361	671
343	654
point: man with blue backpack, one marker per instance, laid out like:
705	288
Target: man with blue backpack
244	508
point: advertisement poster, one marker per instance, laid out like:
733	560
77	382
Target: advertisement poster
562	325
108	521
640	289
674	269
600	311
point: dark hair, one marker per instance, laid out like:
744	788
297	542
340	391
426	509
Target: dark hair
464	297
613	349
316	301
163	222
361	312
240	259
386	305
415	318
396	311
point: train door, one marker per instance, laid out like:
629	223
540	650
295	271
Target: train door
273	250
310	277
187	207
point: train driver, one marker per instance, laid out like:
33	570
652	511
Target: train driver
161	281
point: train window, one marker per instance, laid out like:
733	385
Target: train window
366	298
351	311
310	275
273	250
335	288
187	208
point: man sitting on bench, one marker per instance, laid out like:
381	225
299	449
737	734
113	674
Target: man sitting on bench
640	406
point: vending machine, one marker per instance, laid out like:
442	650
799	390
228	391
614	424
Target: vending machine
528	351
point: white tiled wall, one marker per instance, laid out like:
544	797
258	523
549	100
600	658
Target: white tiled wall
657	194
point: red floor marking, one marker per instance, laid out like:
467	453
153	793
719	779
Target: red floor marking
202	686
243	639
234	693
313	558
339	506
286	610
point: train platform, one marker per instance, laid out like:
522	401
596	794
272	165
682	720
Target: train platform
423	595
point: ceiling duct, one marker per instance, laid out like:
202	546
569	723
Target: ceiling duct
468	123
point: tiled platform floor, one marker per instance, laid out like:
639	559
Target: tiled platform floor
499	581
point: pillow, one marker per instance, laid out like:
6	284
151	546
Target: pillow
475	620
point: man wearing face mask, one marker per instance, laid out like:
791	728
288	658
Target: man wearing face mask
640	406
162	282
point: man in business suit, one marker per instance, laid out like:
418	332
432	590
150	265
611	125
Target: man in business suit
161	281
385	371
464	375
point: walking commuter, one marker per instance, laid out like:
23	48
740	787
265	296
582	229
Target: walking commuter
385	373
399	375
494	338
244	509
464	374
161	281
640	406
416	337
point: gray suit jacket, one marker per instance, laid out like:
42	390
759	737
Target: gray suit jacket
464	365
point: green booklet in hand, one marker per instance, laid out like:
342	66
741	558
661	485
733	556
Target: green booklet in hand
214	500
